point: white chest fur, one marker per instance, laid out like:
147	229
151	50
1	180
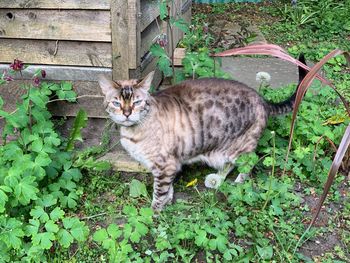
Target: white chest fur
136	151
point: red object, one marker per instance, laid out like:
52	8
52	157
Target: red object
17	65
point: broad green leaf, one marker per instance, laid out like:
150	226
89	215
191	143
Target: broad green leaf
71	200
1	102
12	151
52	140
180	24
66	86
141	228
201	237
164	65
135	237
72	174
137	188
37	98
108	243
158	51
114	231
75	134
46	200
146	212
163	9
44	240
100	235
37	145
33	227
26	190
50	226
12	179
265	252
64	238
42	159
3	200
57	214
39	213
12	233
79	231
77	228
131	211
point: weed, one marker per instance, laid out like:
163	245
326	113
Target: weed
38	179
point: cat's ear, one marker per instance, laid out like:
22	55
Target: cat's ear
145	84
106	84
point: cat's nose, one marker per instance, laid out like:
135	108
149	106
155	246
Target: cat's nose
127	113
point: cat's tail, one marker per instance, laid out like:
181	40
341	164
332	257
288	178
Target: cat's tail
287	105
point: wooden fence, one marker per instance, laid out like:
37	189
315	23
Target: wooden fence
79	39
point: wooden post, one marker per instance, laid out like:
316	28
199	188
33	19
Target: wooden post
120	39
134	14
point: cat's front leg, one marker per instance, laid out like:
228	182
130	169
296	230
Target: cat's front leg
163	191
162	195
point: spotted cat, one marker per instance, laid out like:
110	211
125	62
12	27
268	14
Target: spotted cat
209	120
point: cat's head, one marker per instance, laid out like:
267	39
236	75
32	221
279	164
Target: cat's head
126	101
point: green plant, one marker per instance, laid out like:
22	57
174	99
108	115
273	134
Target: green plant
119	241
38	180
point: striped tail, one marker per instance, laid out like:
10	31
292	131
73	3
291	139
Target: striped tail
287	105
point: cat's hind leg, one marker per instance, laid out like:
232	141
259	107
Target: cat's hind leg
215	180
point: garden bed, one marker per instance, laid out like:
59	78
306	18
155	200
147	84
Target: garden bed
106	215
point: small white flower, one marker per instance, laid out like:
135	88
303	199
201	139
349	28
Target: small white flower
263	78
213	181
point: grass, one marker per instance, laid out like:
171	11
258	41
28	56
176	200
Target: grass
261	220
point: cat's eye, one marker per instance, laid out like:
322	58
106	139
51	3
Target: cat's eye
138	102
116	103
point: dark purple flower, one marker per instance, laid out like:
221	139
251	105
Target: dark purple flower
43	73
36	81
162	40
17	65
8	78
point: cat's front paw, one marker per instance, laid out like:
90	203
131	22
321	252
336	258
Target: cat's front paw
159	204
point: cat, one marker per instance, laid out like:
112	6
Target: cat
210	120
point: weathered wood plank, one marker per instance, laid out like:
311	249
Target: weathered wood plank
56	4
148	36
68	53
84	25
134	33
179	54
120	41
64	72
149	12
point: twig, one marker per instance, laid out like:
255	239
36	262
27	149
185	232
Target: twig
93	216
79	97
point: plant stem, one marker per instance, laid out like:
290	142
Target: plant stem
272	171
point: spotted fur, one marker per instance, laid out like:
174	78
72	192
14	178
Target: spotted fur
209	120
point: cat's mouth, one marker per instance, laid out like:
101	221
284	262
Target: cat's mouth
127	123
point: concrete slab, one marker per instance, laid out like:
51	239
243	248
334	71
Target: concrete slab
244	69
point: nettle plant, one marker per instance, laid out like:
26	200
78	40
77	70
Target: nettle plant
38	179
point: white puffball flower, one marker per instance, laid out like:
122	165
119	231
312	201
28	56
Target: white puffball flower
263	78
213	181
